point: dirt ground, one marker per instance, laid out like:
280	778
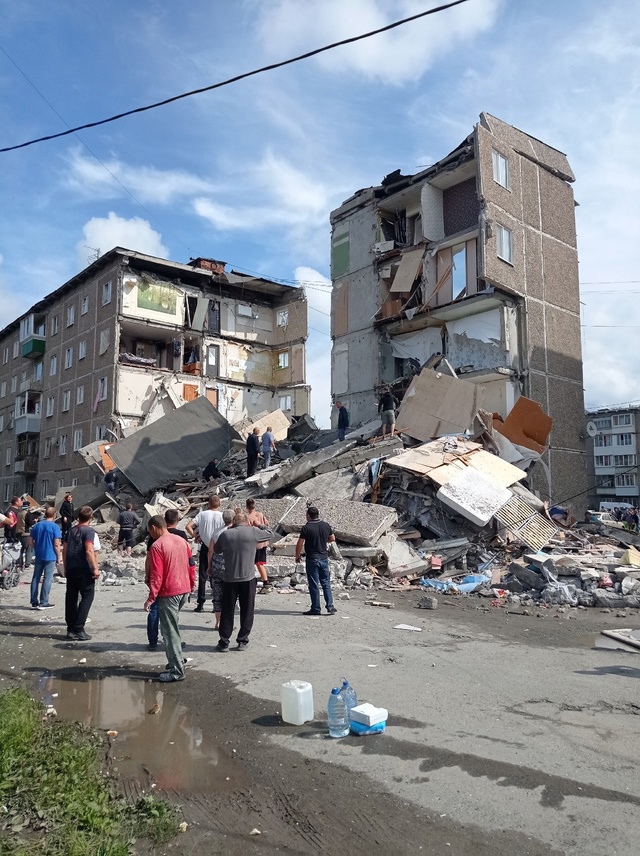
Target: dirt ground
398	793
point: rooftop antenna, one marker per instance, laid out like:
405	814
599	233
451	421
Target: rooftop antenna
95	253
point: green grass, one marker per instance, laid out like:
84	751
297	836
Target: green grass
55	799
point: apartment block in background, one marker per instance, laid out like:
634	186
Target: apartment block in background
613	456
474	258
129	339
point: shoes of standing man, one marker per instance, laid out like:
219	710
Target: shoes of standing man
331	610
199	608
311	612
168	677
223	647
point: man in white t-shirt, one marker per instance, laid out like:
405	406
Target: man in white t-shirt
209	524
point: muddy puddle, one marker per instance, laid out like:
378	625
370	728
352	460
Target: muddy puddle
158	741
609	644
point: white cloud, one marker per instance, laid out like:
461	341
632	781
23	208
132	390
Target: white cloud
104	233
318	293
89	177
288	27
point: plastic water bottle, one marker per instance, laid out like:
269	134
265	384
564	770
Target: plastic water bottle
348	694
338	714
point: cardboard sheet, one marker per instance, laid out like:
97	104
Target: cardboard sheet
437	404
407	271
526	425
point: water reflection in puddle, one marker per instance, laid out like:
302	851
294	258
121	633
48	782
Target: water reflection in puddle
157	743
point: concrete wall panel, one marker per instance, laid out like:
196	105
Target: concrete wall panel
563	338
560	275
558	210
533	264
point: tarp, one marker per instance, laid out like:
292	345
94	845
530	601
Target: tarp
189	437
486	326
419	345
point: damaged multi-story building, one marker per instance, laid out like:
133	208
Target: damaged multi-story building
129	339
473	258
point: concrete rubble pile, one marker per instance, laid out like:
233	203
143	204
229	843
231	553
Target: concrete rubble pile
439	506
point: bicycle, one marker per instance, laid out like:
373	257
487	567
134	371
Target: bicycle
9	569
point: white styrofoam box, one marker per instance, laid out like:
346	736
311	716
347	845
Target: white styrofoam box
367	714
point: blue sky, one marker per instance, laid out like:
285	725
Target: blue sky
250	173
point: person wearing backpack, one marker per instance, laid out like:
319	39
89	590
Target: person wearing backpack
81	570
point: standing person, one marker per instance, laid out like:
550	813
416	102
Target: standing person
257	518
268	447
238	546
253	451
216	570
81	570
46	540
11	519
111	480
22	536
172	576
208	523
343	420
171	517
314	537
30	520
387	410
127	520
67	514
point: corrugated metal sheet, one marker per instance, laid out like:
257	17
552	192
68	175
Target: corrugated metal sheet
189	437
525	522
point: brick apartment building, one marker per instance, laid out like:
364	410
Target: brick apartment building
474	258
127	340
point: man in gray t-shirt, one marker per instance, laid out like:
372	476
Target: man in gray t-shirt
238	546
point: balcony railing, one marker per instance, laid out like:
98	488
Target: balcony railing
29	464
28	424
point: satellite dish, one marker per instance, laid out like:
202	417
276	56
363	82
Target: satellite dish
592	429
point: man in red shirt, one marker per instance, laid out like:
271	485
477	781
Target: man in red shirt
172	576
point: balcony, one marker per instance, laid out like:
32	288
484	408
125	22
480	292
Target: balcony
28	424
31	384
33	347
28	465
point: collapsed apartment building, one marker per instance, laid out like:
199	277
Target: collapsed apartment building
127	341
475	259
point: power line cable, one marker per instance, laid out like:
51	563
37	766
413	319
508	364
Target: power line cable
238	77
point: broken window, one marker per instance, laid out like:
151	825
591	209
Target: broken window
459	270
213	360
504	244
102	389
213	317
283	360
284	402
500	169
283	317
105	340
62	444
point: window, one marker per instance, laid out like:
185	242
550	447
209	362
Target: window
603	460
102	389
66	400
602	423
82	349
101	432
284	402
3	389
62	444
14	383
283	360
621	419
1	422
500	169
459	270
625	460
5	356
60	483
84	306
106	293
7	457
50	405
44	487
244	309
16	349
7	492
71	315
80	394
37	370
12	415
68	358
504	244
105	338
603	440
53	364
48	443
74	482
55	327
283	317
77	439
625	439
626	480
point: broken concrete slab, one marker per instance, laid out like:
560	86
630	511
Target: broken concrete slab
436	404
402	561
359	455
276	420
181	441
352	522
295	470
529	579
273	509
338	484
86	494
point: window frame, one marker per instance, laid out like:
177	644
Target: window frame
80	394
82	349
77	439
50	409
497	158
53	365
107	293
68	358
71	315
62	445
501	232
66	401
84	305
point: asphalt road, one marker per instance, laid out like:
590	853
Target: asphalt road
506	729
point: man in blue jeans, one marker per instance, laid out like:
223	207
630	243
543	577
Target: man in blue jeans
314	537
45	537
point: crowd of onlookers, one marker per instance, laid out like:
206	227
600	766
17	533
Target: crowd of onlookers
628	517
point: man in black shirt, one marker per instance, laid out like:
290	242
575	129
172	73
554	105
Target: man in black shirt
211	471
387	410
314	537
253	451
81	570
128	520
67	515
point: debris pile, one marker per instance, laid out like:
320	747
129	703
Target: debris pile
440	505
